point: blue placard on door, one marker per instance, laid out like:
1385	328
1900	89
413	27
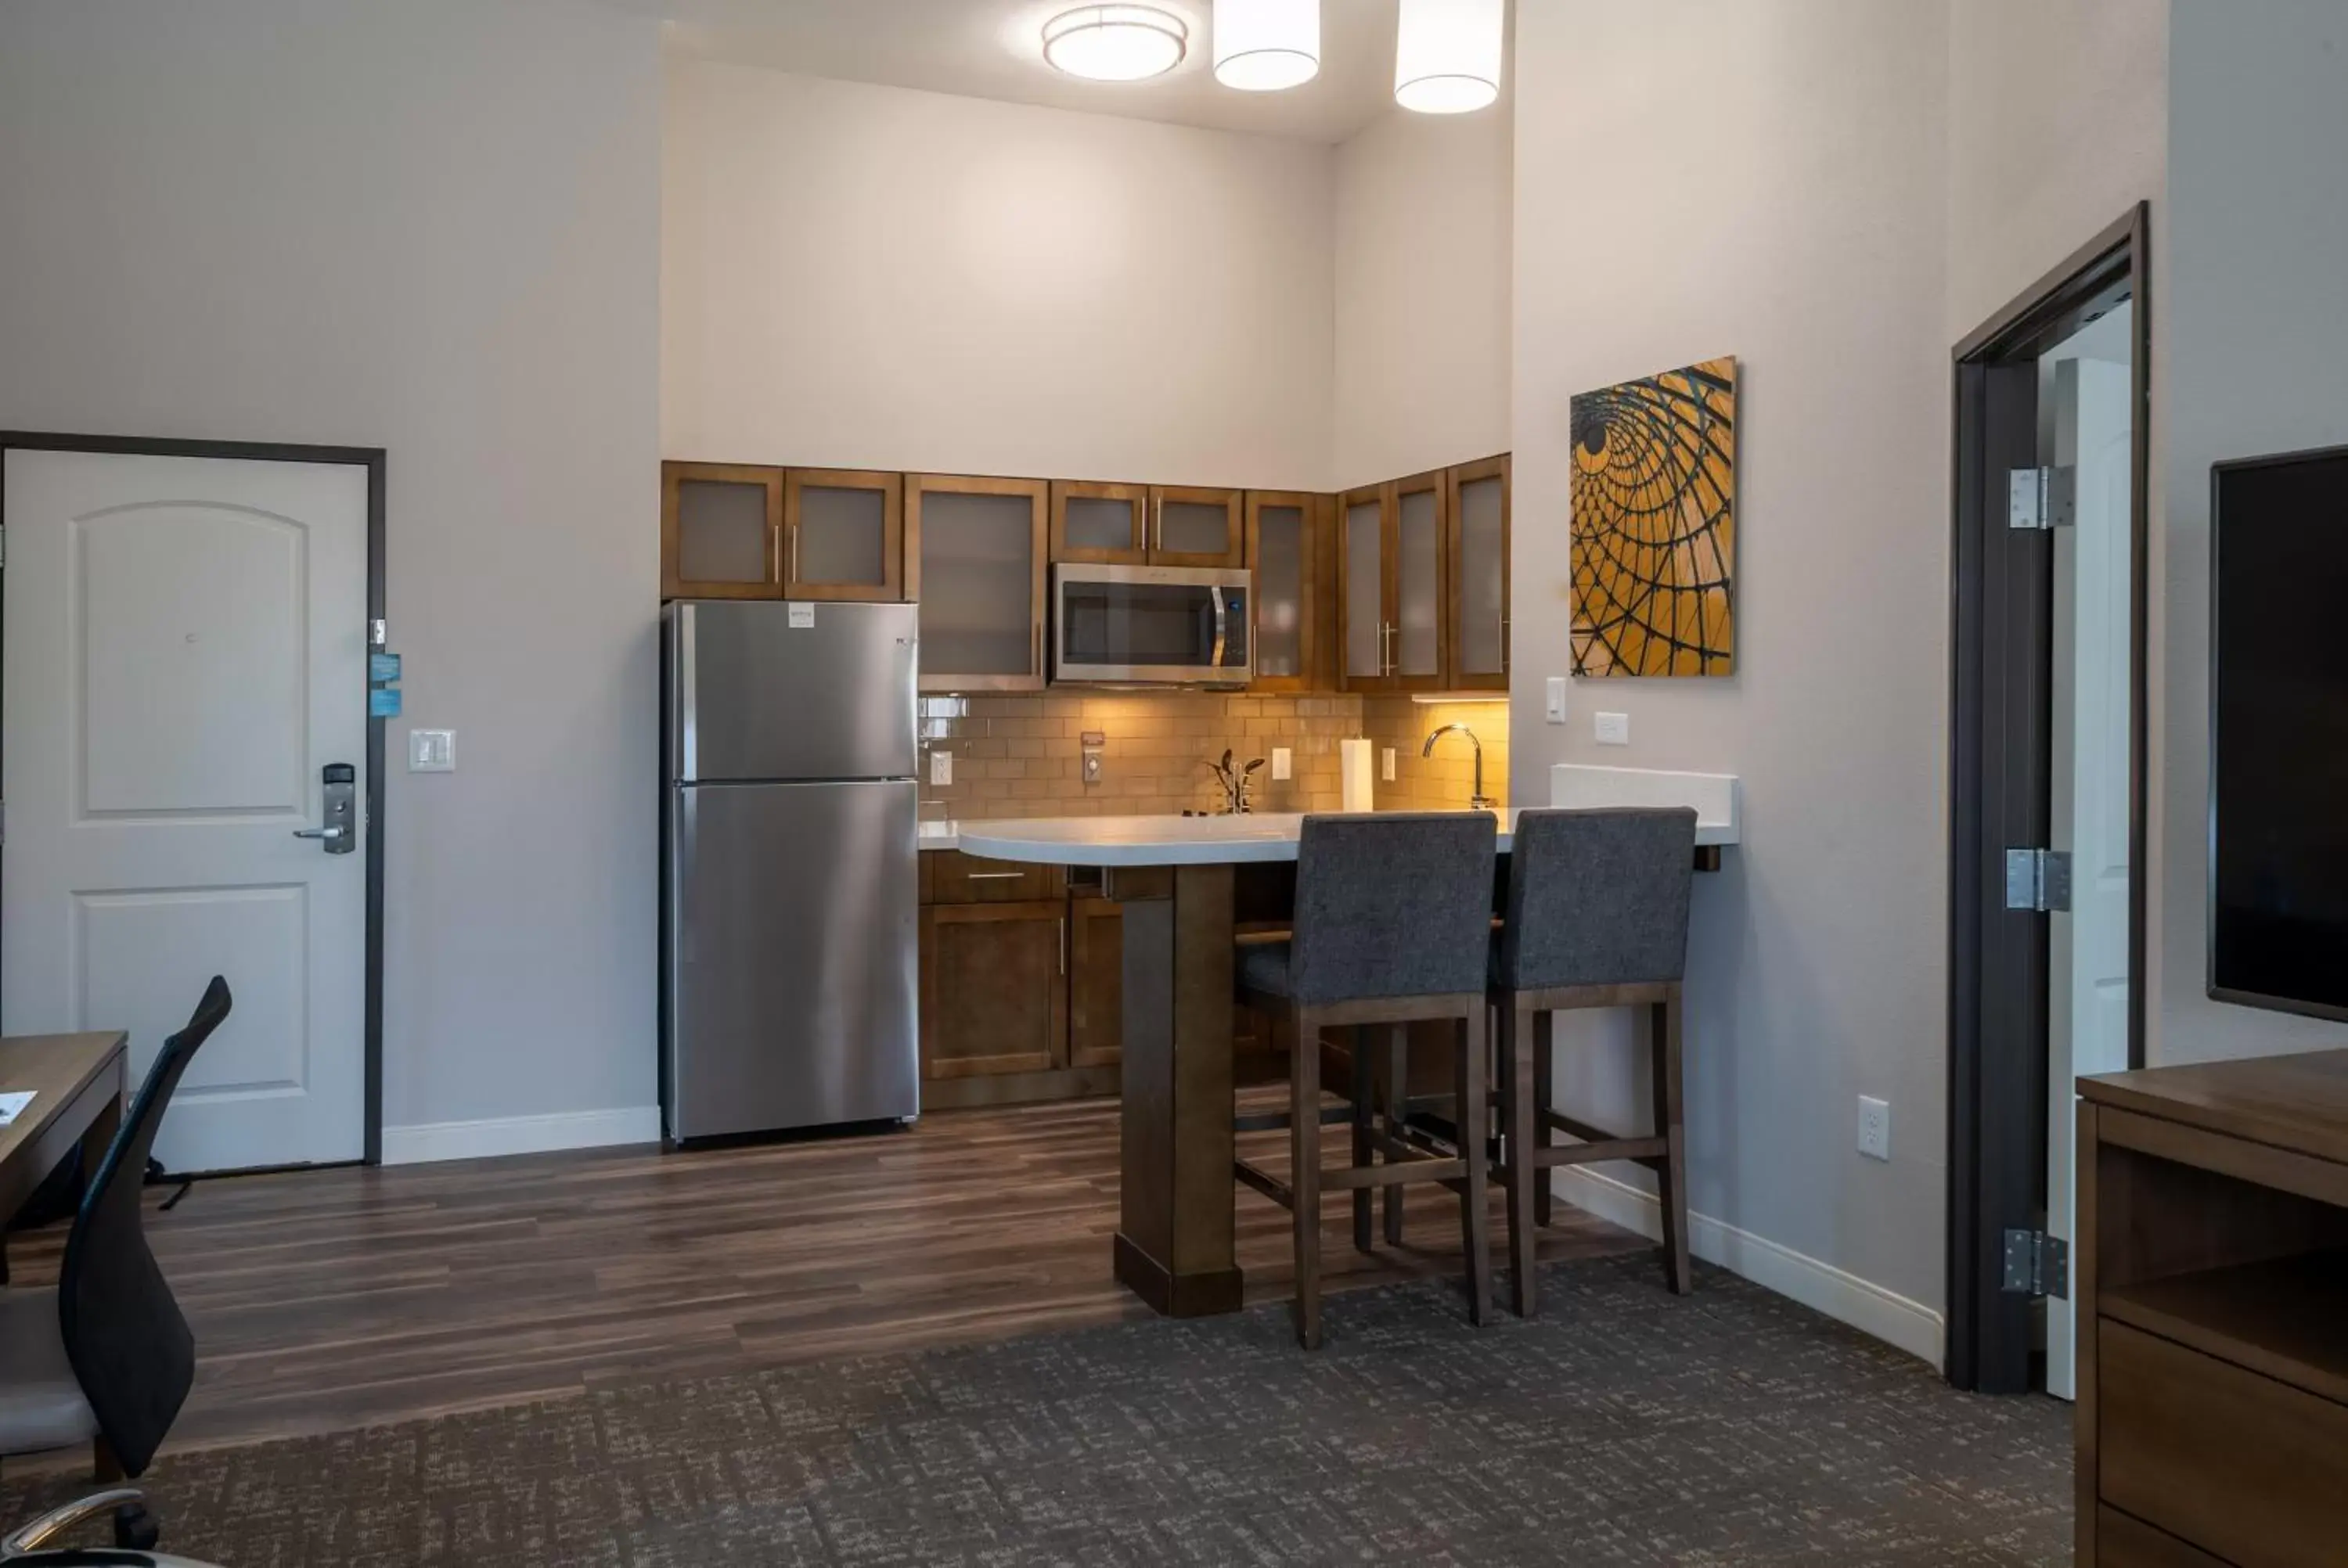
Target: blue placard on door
383	702
383	667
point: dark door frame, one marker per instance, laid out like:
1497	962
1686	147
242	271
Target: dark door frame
1999	760
371	458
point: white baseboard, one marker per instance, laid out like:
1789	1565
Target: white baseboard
430	1141
1900	1323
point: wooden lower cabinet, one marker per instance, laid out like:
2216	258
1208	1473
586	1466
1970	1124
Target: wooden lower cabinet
994	989
1095	983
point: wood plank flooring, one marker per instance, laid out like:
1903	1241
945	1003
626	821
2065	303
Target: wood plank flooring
325	1300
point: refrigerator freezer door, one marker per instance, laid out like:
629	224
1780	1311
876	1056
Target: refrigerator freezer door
791	992
767	691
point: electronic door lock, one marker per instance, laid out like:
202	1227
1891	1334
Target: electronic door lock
340	790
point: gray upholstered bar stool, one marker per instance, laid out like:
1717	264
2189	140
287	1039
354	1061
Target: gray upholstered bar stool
1596	916
1392	925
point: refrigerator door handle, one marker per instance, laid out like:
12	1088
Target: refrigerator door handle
688	679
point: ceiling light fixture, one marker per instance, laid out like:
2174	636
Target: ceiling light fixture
1447	54
1116	43
1263	45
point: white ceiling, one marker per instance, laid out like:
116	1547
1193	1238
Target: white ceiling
993	50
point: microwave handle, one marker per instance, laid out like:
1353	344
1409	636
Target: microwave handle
1223	628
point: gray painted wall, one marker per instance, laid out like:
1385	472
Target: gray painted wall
431	226
2253	356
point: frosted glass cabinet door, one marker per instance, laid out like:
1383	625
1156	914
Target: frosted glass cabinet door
843	535
1480	575
1417	660
1283	552
1192	525
1099	524
1365	623
720	524
981	545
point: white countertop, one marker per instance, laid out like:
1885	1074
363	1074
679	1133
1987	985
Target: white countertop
1144	840
941	836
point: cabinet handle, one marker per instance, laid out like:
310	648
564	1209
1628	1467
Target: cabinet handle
1157	523
1504	645
1039	651
792	574
993	875
1064	944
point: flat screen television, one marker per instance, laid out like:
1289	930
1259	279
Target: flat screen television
2279	732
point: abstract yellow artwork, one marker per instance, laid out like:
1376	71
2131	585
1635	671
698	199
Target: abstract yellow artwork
1655	524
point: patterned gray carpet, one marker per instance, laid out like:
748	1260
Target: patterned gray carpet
1624	1427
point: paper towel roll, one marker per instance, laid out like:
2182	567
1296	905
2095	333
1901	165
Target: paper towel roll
1353	763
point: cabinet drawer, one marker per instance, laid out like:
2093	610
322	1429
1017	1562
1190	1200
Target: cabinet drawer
2237	1464
959	878
2122	1541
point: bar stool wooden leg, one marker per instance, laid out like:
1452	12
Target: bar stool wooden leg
1365	1133
1304	1176
1544	1096
1475	1200
1397	1114
1516	1086
1671	1170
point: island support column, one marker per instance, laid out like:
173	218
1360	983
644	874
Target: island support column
1174	1247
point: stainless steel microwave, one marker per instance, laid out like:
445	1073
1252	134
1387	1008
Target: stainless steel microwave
1158	625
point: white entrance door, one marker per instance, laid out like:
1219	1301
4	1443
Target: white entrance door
2087	990
184	649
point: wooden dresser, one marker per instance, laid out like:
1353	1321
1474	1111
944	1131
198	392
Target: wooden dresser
2212	1293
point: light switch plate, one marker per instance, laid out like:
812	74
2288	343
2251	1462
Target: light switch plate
1613	729
1386	764
940	766
1557	699
1282	766
1874	1127
432	751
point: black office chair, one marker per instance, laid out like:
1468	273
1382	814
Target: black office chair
107	1358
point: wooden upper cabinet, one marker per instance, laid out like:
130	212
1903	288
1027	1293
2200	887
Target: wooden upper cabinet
1288	548
721	529
1478	570
1191	525
1391	585
1100	524
975	551
843	535
1364	609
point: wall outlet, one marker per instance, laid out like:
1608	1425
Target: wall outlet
1094	741
1613	729
1874	1127
1284	764
432	751
941	765
1557	699
1385	764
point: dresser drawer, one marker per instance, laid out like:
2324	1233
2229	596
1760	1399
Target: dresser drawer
958	878
2239	1465
2122	1542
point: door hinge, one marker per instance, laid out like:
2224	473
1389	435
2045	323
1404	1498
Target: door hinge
2042	497
2037	1263
2038	879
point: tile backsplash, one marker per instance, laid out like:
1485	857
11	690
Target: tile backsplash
1022	756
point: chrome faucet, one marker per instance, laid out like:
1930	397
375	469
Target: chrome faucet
1479	801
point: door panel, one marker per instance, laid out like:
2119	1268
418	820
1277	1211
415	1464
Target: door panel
185	651
2087	948
792	692
793	909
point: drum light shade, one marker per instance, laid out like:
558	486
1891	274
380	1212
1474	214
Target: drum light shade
1263	45
1447	54
1116	43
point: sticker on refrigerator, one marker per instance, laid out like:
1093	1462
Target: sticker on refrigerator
802	615
383	702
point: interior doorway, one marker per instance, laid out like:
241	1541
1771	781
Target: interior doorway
2048	784
191	771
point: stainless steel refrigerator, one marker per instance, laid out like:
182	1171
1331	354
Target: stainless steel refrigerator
788	866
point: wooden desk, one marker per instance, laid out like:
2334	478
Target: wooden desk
2212	1292
78	1082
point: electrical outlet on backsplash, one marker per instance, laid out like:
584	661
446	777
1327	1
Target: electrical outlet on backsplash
1024	755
